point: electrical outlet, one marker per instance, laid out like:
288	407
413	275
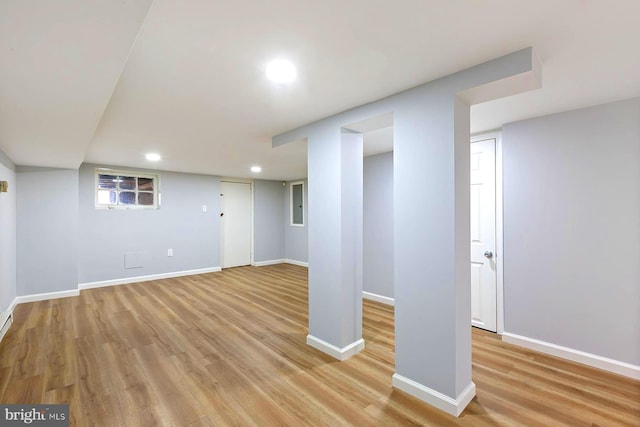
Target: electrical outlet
204	208
170	252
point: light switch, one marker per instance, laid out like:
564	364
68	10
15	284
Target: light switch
170	252
204	208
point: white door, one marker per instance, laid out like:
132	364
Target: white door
235	203
483	234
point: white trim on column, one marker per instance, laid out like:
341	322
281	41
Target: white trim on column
47	295
137	279
593	360
378	298
435	398
339	353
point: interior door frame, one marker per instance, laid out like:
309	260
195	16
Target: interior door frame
251	189
499	250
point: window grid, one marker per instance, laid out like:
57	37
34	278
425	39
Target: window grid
125	190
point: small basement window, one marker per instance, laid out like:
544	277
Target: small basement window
126	190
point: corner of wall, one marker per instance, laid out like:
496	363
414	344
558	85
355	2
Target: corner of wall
8	245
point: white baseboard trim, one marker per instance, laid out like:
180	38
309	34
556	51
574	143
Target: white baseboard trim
294	262
611	365
280	261
12	306
271	262
339	353
435	398
6	319
48	295
126	280
378	298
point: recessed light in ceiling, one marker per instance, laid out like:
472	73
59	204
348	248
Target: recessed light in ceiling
256	169
153	157
281	71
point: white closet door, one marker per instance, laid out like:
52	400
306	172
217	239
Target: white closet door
483	234
236	223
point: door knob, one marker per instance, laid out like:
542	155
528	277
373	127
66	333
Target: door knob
488	254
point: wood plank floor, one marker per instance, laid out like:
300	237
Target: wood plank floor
229	348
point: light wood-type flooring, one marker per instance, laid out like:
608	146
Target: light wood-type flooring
229	348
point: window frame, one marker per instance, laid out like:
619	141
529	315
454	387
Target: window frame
127	173
291	223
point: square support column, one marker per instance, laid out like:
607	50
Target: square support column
335	242
431	226
432	273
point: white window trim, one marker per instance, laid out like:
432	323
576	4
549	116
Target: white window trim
120	172
304	208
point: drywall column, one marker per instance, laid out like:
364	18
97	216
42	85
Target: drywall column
431	223
335	242
432	274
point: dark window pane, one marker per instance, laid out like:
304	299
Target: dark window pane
145	184
145	199
107	181
127	198
297	201
127	182
106	197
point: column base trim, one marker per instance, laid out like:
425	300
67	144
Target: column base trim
434	398
338	353
378	298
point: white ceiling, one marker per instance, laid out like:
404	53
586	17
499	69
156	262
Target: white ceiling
106	81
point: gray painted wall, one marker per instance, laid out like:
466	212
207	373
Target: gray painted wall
106	235
296	238
7	234
378	225
572	229
268	227
47	230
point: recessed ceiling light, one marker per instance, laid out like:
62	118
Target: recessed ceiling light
153	157
256	169
281	71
